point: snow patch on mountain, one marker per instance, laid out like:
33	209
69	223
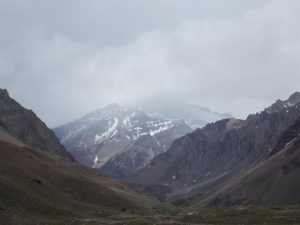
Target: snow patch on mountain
95	161
127	121
110	132
161	127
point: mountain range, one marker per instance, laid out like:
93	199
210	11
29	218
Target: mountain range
122	140
106	135
145	152
215	156
229	162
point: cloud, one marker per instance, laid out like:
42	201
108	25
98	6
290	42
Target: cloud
235	58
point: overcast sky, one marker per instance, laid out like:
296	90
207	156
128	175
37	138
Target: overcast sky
66	58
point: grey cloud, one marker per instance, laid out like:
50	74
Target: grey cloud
236	57
104	22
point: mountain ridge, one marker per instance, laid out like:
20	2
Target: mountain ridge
274	181
194	115
28	128
211	156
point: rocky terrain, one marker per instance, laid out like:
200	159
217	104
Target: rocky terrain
40	184
28	128
275	181
211	157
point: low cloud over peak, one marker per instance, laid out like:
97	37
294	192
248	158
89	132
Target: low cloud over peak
235	58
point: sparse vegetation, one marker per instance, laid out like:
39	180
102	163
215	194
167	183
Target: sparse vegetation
244	215
93	215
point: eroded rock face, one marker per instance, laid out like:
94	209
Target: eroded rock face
219	151
28	128
274	181
287	137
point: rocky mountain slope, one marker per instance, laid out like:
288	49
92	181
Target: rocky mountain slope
210	157
275	181
28	128
44	186
194	116
136	157
101	135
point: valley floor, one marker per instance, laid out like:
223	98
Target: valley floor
205	216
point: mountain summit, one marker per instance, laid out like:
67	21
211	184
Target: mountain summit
294	99
4	93
98	136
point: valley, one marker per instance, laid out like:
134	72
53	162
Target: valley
173	112
41	183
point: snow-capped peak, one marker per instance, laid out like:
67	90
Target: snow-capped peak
110	130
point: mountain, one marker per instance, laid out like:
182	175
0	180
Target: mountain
41	184
101	135
194	116
135	158
275	181
284	105
209	157
36	188
28	128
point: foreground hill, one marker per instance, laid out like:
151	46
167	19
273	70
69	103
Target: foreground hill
28	128
36	189
40	185
215	155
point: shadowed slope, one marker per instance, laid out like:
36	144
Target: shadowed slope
24	125
274	181
41	184
34	188
212	156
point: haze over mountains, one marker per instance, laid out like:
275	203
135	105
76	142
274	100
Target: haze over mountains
194	115
161	112
216	54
